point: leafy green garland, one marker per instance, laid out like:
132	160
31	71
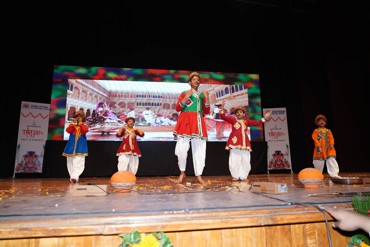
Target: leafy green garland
138	239
361	206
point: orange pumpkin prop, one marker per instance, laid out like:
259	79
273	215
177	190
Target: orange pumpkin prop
311	178
123	181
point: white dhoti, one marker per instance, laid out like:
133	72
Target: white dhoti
198	148
75	166
331	165
239	163
128	163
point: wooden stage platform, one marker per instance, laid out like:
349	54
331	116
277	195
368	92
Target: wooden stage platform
51	212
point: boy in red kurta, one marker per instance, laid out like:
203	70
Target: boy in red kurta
191	127
238	142
128	152
324	148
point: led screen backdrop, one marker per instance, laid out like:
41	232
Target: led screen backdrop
110	95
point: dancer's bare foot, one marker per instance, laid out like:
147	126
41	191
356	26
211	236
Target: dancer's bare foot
201	181
181	177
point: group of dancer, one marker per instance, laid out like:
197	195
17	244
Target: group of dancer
190	128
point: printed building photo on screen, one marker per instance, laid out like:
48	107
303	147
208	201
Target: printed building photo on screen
109	96
108	103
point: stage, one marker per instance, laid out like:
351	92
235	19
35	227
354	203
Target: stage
54	212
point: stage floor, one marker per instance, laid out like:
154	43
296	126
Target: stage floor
32	198
157	202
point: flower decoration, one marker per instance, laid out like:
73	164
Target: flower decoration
361	206
137	239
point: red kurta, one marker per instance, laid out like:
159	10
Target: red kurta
129	144
73	129
77	142
239	133
191	122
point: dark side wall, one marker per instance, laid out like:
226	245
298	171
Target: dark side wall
312	57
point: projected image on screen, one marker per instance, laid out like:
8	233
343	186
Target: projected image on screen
149	96
152	104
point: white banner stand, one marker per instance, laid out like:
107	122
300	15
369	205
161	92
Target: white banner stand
32	135
277	138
